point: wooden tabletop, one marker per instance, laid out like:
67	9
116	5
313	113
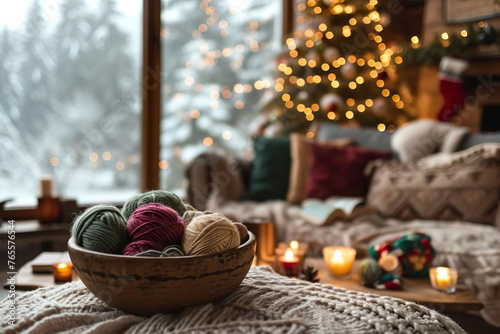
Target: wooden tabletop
414	290
26	280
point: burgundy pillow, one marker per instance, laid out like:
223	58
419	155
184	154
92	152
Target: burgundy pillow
339	171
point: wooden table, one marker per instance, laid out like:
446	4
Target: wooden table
415	290
26	280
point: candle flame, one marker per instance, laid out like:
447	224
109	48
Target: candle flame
62	265
442	272
337	256
294	245
289	255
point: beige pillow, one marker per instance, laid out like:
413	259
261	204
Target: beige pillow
301	153
464	190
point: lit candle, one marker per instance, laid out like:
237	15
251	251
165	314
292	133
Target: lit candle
62	272
443	279
290	263
340	260
294	245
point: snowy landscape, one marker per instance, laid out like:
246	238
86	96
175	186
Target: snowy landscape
70	90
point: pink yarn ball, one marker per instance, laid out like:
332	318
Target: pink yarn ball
140	246
154	224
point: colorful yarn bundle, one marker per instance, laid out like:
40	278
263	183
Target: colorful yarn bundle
414	252
155	196
101	228
153	226
209	234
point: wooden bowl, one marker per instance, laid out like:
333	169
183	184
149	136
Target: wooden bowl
149	285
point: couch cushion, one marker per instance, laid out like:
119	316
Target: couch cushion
270	171
339	171
480	138
365	137
302	157
467	190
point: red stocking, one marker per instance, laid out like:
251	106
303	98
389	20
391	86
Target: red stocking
454	97
452	87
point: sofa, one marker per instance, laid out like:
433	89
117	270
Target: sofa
408	189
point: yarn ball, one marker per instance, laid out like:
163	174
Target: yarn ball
210	234
369	271
157	224
415	253
155	196
101	228
142	246
170	251
242	231
188	216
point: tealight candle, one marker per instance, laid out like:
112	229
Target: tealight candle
299	250
340	260
290	263
443	279
63	272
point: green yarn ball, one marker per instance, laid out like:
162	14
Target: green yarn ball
369	271
170	251
154	196
101	228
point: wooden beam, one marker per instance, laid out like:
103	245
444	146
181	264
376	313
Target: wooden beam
151	72
288	23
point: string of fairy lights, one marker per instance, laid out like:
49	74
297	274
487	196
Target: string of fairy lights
209	59
372	61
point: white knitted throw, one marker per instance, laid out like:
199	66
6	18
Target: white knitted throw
265	302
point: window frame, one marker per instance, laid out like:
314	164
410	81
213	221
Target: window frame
151	100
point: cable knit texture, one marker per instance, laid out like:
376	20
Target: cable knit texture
264	303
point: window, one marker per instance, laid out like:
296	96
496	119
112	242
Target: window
217	62
70	94
70	98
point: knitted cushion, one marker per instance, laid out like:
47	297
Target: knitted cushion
467	191
301	164
339	171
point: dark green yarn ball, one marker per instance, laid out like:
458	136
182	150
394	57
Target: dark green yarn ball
154	196
369	271
101	228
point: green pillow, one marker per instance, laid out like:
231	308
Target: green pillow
270	171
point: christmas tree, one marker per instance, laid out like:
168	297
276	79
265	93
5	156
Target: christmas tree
337	67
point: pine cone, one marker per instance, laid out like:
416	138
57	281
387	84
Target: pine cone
310	274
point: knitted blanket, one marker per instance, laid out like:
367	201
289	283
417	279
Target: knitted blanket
265	302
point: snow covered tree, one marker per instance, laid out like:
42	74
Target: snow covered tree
215	68
35	75
8	91
337	67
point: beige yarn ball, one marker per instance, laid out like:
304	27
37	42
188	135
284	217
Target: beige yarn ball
188	216
210	234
